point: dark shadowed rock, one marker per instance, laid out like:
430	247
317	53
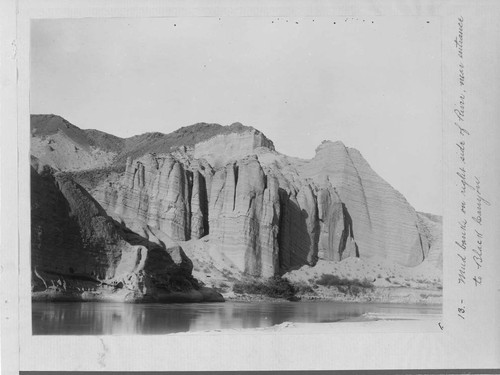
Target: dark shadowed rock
77	248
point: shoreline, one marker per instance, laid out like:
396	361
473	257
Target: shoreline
389	295
211	296
106	295
281	300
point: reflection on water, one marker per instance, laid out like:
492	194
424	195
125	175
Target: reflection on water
90	318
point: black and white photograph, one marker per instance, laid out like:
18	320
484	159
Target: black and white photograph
234	173
243	186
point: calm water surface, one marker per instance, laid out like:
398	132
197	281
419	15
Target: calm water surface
90	318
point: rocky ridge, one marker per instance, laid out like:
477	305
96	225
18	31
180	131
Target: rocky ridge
228	197
64	146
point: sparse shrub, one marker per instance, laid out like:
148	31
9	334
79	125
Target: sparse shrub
274	287
331	280
239	287
343	289
302	288
248	287
366	284
222	287
228	274
354	290
344	285
278	287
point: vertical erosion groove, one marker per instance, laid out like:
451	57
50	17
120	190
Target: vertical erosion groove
236	171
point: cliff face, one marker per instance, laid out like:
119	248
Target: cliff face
336	241
244	214
299	228
70	233
164	193
237	204
77	248
431	227
383	223
259	212
267	213
225	147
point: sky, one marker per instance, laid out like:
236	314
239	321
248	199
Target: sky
374	84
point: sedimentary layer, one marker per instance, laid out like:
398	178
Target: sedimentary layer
263	213
268	213
79	252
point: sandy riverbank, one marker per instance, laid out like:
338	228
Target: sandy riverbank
388	282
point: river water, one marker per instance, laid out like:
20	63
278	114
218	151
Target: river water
91	318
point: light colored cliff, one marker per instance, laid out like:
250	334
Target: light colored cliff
336	241
383	223
268	213
226	147
244	214
155	191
